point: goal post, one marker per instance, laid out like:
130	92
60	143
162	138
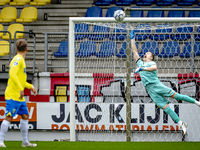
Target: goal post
102	63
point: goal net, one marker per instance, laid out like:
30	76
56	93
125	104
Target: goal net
110	102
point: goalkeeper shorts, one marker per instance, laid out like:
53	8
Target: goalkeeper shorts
157	92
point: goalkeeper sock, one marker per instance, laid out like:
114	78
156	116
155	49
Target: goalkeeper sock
4	129
24	130
172	114
184	98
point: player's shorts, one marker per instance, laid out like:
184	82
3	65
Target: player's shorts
16	107
158	91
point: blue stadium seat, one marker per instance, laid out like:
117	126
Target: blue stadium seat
104	2
155	13
81	27
94	12
194	13
181	32
145	2
111	10
138	13
150	46
197	36
62	50
165	2
187	50
165	29
122	52
174	13
107	49
124	2
86	49
170	49
120	28
186	2
100	30
142	31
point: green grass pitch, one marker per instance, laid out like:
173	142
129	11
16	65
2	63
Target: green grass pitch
43	145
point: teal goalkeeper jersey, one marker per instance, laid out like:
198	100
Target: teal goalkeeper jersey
147	77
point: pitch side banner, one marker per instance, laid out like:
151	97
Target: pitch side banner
107	116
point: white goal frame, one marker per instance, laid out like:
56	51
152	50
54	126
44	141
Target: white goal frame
72	21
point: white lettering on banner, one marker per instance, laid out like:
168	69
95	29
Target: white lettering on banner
105	116
17	126
31	112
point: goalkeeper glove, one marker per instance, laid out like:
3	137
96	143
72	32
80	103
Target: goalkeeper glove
132	35
138	70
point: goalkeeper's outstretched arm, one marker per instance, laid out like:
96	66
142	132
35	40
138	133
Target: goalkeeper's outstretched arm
133	46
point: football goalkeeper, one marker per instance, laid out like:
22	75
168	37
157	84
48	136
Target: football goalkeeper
14	95
157	91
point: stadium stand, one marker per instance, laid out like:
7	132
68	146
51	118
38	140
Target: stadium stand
111	10
138	13
176	13
94	12
40	2
122	52
8	14
121	28
4	2
62	50
155	13
186	2
99	29
170	49
104	2
150	46
28	15
162	28
124	2
81	27
145	2
144	30
107	49
19	2
194	13
197	36
12	29
86	49
4	46
187	50
165	2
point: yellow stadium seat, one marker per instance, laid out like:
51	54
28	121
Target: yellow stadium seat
4	2
40	2
1	29
4	48
12	29
8	14
19	2
28	14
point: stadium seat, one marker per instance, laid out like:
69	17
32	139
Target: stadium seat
62	50
122	52
194	13
104	2
12	29
124	2
145	2
99	29
197	36
40	2
4	46
187	50
165	29
183	32
142	32
81	27
170	49
155	13
111	10
87	49
94	12
150	46
1	29
8	14
186	2
120	28
19	2
176	13
28	14
137	13
165	2
107	49
4	2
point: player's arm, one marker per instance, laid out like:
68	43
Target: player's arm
133	46
151	68
30	86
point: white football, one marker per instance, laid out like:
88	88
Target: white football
119	15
